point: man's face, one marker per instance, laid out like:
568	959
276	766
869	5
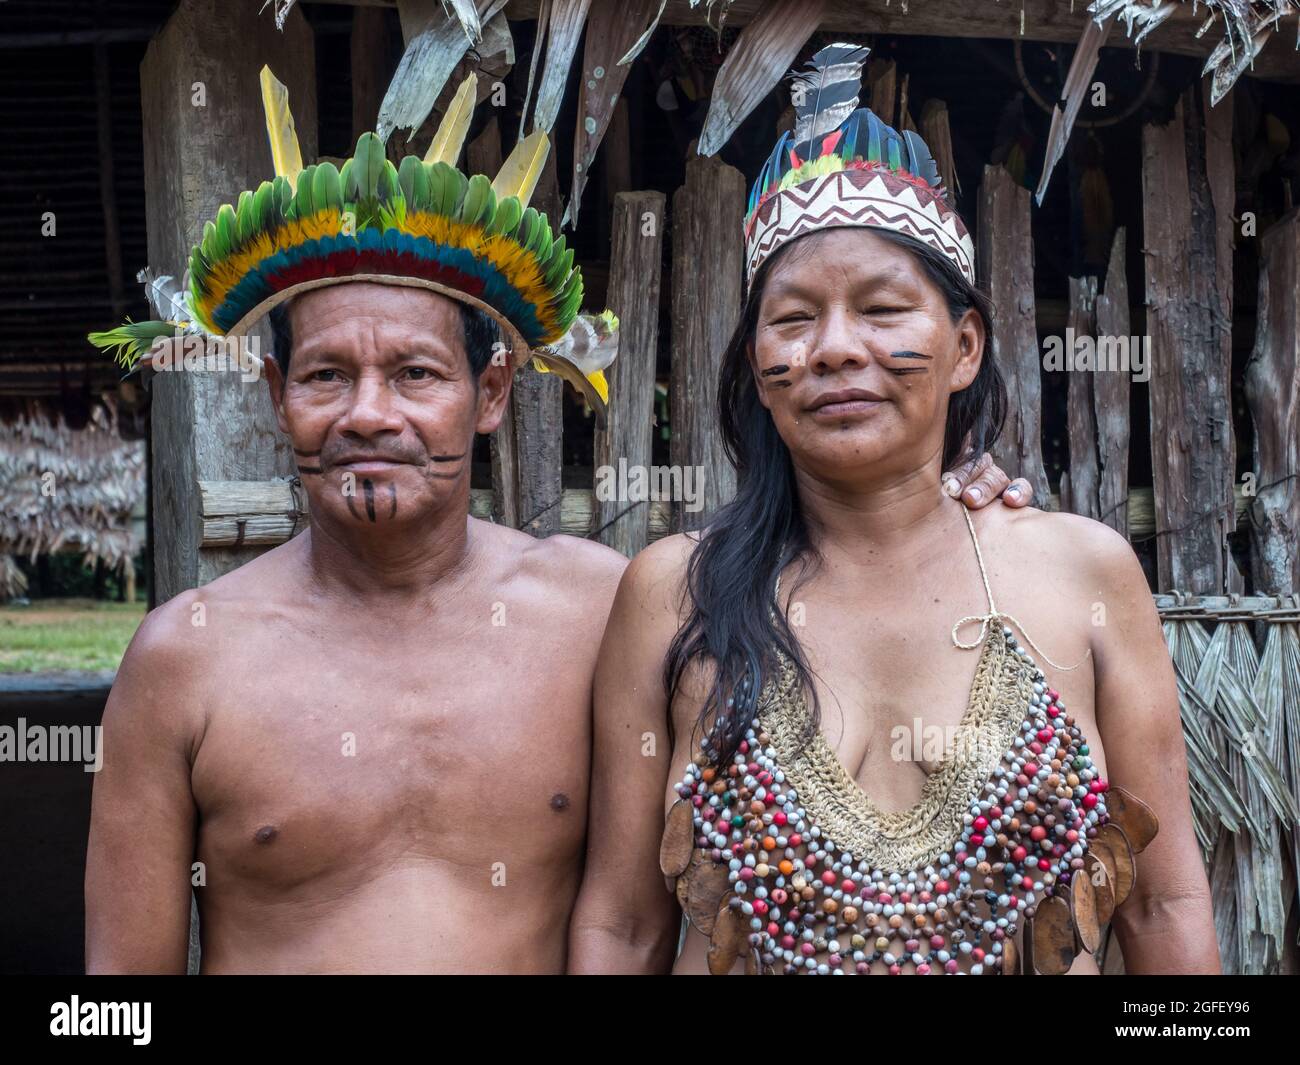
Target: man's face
380	403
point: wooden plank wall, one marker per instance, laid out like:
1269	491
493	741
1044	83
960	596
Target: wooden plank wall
211	426
708	286
1187	179
1005	267
1273	394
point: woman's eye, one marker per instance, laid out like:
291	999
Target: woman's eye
882	310
796	317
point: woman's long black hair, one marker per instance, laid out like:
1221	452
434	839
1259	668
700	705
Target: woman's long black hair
730	577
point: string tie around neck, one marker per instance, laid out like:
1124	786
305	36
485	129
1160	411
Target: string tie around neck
998	616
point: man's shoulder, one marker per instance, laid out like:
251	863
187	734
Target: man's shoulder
195	618
556	561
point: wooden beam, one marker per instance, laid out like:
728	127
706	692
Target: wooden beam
1005	257
707	290
1061	21
1273	394
1189	320
268	513
197	156
633	295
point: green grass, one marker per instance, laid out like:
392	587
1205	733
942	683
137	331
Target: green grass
54	634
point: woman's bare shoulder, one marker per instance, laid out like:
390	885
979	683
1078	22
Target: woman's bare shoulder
1100	556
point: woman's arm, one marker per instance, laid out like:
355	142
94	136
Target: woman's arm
625	919
1166	924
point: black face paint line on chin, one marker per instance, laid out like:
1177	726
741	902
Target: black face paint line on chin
368	487
392	500
352	509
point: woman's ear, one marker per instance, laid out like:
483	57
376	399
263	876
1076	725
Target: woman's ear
971	339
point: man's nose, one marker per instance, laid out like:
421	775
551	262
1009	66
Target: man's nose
373	408
839	343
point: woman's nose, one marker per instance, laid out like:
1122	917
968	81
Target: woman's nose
839	343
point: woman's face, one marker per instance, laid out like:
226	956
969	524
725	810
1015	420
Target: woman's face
855	355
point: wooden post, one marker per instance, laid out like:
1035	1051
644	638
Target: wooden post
1006	271
882	77
484	157
1187	183
537	409
370	67
1111	396
1273	393
204	143
707	282
1080	414
634	296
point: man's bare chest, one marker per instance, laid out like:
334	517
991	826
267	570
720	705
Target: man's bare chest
316	764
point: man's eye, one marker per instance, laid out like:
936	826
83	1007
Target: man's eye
797	316
325	375
418	373
883	310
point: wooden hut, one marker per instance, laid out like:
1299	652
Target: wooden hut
1132	177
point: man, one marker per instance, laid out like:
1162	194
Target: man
367	750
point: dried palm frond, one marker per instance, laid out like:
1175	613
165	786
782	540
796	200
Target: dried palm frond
64	489
1239	713
1245	24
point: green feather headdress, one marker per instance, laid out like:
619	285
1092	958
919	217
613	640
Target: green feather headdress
423	224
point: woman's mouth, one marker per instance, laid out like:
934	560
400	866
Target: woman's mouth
845	403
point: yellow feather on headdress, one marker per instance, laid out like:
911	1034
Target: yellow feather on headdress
285	153
447	142
518	175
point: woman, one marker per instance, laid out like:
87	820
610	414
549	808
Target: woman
826	716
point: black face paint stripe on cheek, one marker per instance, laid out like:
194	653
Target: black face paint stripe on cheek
900	370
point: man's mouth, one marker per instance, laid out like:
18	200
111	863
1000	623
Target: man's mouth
367	464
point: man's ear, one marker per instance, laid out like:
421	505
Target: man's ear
275	382
493	394
971	339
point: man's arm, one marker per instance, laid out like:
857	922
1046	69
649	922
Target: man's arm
142	821
625	919
1166	925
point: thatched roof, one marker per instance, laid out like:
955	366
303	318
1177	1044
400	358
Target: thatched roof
68	490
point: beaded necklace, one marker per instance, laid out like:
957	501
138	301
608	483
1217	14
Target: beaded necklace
782	859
